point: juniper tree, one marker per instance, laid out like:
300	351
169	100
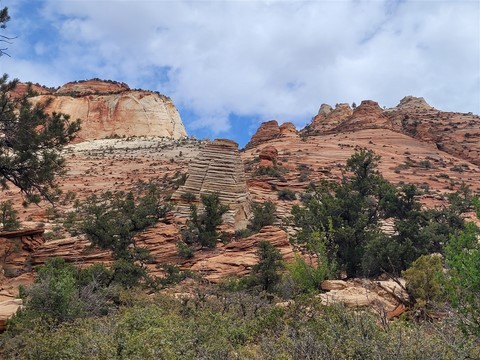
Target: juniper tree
30	140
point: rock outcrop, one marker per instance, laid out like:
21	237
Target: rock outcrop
328	118
288	130
267	131
268	156
7	309
218	168
16	248
381	296
271	130
368	115
109	109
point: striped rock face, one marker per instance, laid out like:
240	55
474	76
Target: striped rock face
218	168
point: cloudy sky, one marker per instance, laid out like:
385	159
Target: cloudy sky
229	65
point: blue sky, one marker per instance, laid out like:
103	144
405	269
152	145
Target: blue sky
229	65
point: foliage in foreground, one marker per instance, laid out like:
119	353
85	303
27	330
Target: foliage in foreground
463	280
239	325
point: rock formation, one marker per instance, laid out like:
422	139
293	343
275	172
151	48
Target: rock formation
112	109
16	248
368	115
268	156
328	118
218	169
288	129
267	131
271	130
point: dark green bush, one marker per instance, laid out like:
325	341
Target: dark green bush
267	269
263	215
9	216
185	251
286	194
202	228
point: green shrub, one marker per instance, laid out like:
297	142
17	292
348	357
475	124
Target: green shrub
263	215
425	281
188	197
463	277
9	216
272	171
286	194
185	251
306	277
270	261
202	228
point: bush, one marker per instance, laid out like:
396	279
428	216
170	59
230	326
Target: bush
203	228
272	171
425	281
238	325
286	194
9	216
270	261
306	277
62	292
185	251
263	215
188	197
463	277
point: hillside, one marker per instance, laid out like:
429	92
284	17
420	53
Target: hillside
438	151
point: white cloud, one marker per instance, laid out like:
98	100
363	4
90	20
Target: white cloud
275	59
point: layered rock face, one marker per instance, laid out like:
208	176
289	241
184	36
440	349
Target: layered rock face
217	169
113	109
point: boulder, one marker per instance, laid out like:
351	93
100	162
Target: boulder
269	153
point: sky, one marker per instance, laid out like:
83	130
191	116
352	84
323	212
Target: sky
230	65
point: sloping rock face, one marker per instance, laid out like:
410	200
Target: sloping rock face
217	169
109	109
380	296
368	115
288	130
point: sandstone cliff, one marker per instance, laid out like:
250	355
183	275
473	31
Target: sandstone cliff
109	108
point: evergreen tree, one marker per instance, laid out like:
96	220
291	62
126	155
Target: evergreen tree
30	141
